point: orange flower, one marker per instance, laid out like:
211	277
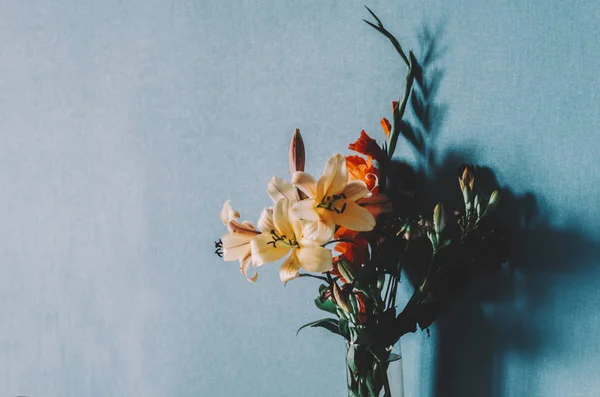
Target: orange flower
367	146
356	252
387	127
362	169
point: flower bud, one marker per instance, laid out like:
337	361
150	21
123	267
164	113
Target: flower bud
467	178
297	155
439	218
494	199
340	298
466	182
346	270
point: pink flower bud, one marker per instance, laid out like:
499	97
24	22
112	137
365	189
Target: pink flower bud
297	156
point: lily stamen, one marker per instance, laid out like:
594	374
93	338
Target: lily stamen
329	202
276	238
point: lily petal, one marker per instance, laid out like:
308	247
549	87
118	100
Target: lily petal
320	232
305	209
265	222
334	178
355	217
305	182
281	219
289	268
227	213
262	252
315	258
245	264
235	246
355	190
245	228
278	189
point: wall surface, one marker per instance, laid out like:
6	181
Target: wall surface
125	125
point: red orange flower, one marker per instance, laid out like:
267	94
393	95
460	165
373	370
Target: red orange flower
362	169
356	252
367	146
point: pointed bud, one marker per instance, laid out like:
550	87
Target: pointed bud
467	178
340	298
346	270
439	218
466	196
494	199
466	181
297	156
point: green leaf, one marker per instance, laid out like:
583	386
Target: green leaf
344	329
350	359
327	306
327	323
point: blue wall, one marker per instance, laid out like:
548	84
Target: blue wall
125	126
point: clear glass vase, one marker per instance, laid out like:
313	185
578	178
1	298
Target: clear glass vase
374	372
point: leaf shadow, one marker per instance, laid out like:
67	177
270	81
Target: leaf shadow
477	332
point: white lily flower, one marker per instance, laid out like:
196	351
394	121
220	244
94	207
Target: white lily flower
282	235
332	201
236	243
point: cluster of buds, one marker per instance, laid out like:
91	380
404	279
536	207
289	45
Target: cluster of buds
347	307
475	207
439	224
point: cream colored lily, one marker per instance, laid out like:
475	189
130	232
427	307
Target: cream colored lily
236	243
278	189
282	235
332	201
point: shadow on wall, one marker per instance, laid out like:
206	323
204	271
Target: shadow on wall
493	318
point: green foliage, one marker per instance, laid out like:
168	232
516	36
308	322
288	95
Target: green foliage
329	324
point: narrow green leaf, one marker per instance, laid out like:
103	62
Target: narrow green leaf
328	323
374	16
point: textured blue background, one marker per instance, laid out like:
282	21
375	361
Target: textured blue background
125	125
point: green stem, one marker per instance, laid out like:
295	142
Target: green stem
401	107
313	276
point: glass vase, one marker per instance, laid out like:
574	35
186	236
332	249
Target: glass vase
374	371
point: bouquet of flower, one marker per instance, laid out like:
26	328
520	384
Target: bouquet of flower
355	229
